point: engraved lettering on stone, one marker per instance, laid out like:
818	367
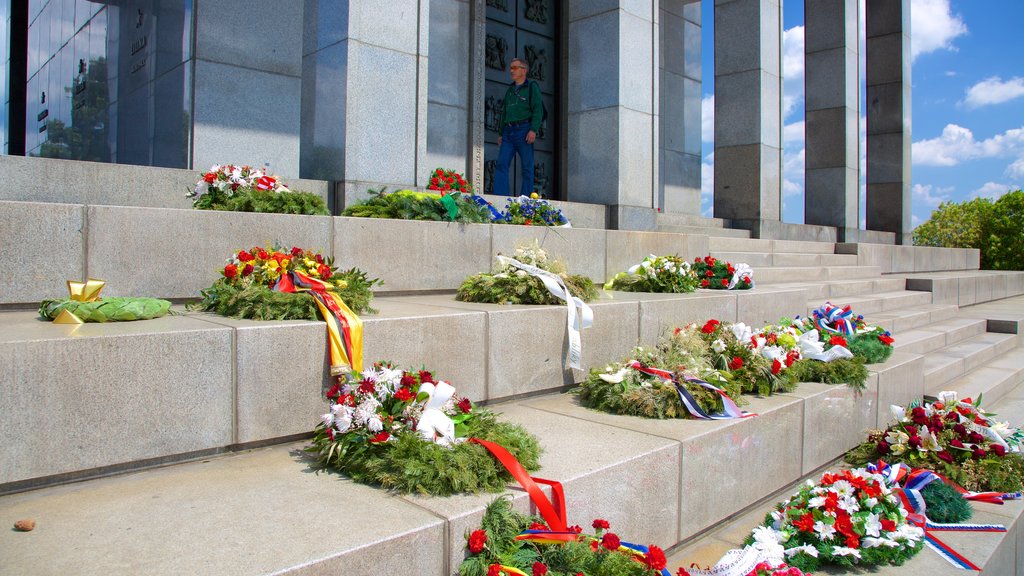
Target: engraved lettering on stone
537	58
499	4
496	49
536	10
489	168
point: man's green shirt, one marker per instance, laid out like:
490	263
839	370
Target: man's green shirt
517	106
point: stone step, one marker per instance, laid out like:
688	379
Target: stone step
705	230
969	287
951	362
813	273
681	219
766	245
627	470
871	304
786	259
938	335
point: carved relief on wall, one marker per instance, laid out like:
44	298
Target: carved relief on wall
499	4
537	58
536	10
489	167
540	178
495	50
492	113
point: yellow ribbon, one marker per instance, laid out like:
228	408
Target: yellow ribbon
88	291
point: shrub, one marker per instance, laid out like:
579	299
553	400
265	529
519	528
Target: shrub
990	226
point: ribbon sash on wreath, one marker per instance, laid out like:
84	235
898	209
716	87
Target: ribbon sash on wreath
344	328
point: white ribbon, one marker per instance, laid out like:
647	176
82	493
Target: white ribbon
579	314
741	270
811	347
434	425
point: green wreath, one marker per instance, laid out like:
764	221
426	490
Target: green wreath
118	309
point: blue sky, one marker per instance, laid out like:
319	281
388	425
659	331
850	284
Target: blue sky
968	103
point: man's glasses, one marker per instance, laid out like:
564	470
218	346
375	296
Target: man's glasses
519	67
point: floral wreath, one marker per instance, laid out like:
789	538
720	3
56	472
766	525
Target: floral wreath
668	274
715	274
248	189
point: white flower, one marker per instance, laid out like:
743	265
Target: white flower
869	542
741	331
391	375
948	397
843	488
908	532
844	551
849	504
633	269
871	503
872	525
816	502
616	377
928	441
718	346
767	541
367	409
773	352
806	549
825	531
896	437
1002	429
374	423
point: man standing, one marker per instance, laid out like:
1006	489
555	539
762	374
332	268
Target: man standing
521	114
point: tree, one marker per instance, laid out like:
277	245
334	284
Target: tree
992	227
1004	243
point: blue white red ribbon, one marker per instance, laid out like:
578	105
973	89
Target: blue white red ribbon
831	318
730	409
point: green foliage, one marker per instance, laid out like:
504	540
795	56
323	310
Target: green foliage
992	227
851	371
944	504
868	348
513	288
251	199
411	205
107	309
409	464
257	302
666	274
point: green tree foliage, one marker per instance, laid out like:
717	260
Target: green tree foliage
993	227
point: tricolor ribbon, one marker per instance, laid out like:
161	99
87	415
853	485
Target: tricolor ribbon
579	314
831	318
552	512
344	328
729	408
914	480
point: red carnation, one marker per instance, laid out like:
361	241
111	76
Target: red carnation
837	341
244	256
915	441
494	570
918	416
725	282
324	271
910	430
704	283
709	273
209	177
956	443
960	430
882	447
319	259
575	528
477	540
888	525
539	569
791	357
776	366
736	363
367	386
263	255
805	523
426	376
230	271
296	251
655	559
404	394
247	270
730	269
710	325
746	279
978	453
600	524
997	449
852	542
380	437
610	541
465	406
975	438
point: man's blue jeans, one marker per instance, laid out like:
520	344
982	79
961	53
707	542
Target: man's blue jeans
513	141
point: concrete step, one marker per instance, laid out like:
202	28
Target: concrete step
680	219
871	304
945	365
934	336
786	259
968	287
705	230
813	273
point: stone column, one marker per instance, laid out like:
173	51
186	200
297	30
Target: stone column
748	111
364	94
888	117
613	79
450	98
832	112
259	123
679	106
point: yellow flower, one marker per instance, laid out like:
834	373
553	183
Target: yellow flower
341	284
534	195
310	264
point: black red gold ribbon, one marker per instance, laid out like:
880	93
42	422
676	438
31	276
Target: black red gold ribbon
344	328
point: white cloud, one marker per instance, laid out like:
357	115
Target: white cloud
994	91
915	221
793	163
957	144
707	118
992	190
792	70
707	185
1016	169
934	26
793	132
930	196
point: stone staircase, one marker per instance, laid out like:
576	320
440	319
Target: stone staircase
172	446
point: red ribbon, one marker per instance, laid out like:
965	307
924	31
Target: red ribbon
552	513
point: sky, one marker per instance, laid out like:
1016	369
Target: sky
967	82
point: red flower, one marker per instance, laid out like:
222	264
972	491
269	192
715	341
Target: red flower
997	449
730	269
677	331
324	271
710	326
736	363
945	456
704	283
404	394
575	528
367	386
710	260
725	282
915	441
911	430
805	523
477	540
600	524
209	177
319	259
882	448
776	366
247	270
230	271
494	570
978	453
837	341
918	416
465	405
709	273
439	172
956	443
529	222
611	541
334	391
791	357
888	525
426	376
887	340
539	569
852	542
655	559
975	438
960	430
263	255
380	437
244	256
746	279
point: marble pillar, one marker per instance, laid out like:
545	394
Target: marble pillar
613	78
748	111
679	71
888	117
832	113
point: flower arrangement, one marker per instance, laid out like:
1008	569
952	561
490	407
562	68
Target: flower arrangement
849	518
718	274
405	430
625	388
107	309
529	211
953	438
670	274
246	287
446	206
248	189
509	284
447	181
846	341
506	544
756	362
